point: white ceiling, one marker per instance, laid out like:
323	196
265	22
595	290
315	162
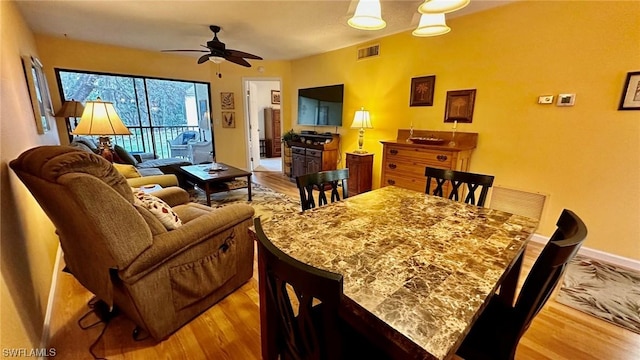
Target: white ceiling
275	30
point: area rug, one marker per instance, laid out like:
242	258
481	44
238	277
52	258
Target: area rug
605	291
265	201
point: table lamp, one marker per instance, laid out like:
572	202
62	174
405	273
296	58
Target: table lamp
361	120
100	118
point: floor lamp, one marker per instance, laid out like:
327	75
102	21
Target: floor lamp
101	119
70	109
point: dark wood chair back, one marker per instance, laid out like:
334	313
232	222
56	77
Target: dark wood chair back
496	333
456	179
305	326
322	181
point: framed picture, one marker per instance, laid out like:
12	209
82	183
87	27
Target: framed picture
275	97
459	106
226	101
631	92
422	90
39	93
228	119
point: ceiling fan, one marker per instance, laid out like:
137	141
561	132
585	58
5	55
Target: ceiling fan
217	51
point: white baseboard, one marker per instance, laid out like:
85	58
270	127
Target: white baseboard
598	255
44	339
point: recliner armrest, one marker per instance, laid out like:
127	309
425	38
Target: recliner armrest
172	195
171	244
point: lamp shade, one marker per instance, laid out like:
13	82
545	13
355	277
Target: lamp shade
431	25
70	108
100	118
367	16
441	6
361	120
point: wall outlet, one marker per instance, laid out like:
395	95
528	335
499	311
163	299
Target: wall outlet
566	99
545	99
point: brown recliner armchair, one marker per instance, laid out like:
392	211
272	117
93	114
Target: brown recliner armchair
122	253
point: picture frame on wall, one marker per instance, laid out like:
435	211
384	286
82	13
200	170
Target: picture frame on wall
227	101
630	99
459	106
275	97
39	93
228	119
422	90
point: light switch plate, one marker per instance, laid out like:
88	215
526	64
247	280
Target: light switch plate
545	99
566	99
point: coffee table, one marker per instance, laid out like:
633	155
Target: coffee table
215	181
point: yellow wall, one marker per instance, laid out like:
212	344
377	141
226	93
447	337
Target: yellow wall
28	241
587	157
229	142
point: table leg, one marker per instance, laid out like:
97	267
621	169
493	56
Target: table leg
249	186
207	191
508	287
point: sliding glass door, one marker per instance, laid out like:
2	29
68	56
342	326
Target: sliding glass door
156	111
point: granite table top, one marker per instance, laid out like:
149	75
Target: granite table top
422	264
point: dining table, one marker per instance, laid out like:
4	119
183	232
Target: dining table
417	269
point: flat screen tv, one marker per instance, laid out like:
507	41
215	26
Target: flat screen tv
321	106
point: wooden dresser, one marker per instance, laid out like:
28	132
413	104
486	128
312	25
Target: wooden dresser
272	132
403	162
313	153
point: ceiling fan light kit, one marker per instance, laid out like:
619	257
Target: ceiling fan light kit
367	16
431	25
442	6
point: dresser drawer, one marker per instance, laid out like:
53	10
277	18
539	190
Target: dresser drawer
314	153
411	183
437	158
412	168
297	150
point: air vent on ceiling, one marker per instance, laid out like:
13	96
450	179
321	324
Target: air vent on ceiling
518	202
369	51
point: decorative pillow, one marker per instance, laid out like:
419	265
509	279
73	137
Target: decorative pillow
125	156
128	171
186	137
159	208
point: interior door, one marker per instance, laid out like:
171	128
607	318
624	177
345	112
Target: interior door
254	128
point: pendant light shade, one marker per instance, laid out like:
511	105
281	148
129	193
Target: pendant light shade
431	25
367	16
442	6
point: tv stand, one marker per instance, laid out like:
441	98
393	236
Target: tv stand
312	153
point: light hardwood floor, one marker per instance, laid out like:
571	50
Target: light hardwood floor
231	328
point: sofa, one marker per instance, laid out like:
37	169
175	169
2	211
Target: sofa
138	169
160	265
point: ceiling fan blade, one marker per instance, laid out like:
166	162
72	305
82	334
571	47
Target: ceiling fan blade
238	60
184	50
203	58
242	54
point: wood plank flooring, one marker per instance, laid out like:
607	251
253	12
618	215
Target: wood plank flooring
231	328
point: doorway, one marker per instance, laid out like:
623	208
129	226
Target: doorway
263	130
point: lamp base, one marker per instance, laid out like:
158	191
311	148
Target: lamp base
360	151
106	151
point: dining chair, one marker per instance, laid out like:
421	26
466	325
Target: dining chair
496	333
321	181
300	304
457	179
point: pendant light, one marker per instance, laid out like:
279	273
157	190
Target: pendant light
368	16
441	6
431	25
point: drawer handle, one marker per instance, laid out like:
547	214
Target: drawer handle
393	152
442	157
392	166
391	182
